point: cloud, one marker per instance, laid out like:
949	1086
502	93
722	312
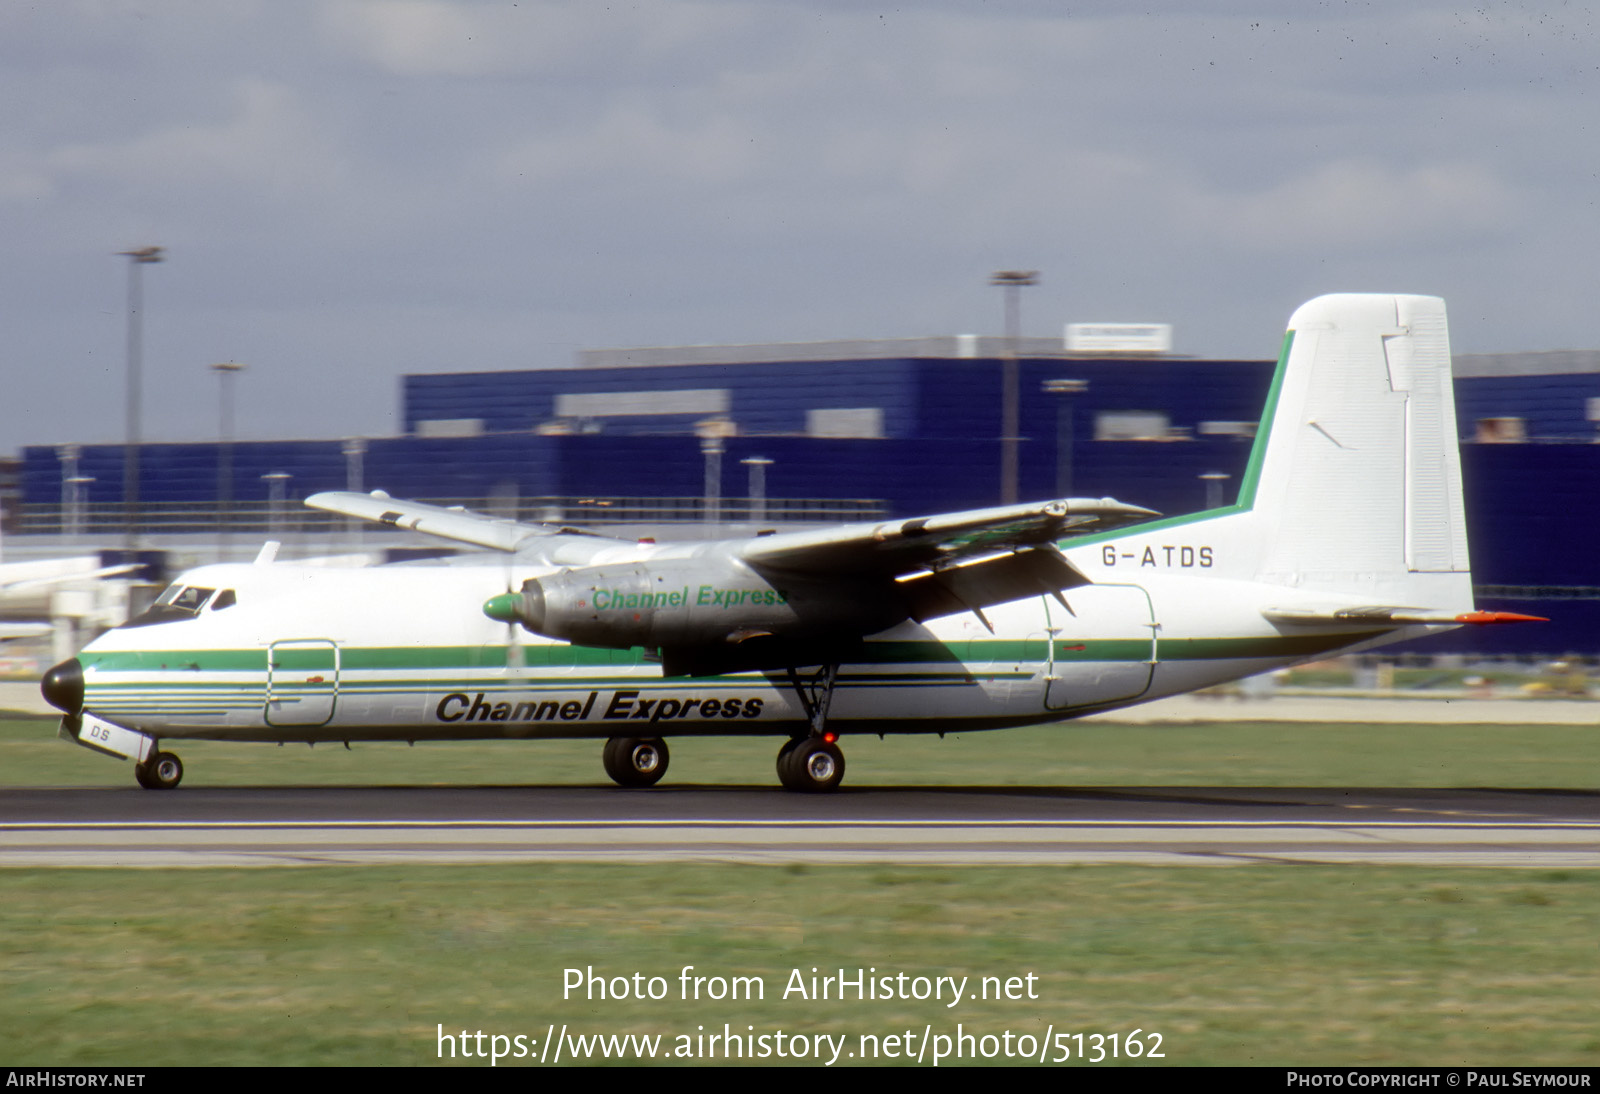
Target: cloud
408	185
534	39
267	140
1346	205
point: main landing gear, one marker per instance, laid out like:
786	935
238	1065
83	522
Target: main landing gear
812	764
162	771
632	761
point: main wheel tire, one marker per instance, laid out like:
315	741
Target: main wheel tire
163	771
634	761
810	765
785	776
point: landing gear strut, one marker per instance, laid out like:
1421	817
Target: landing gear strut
816	695
814	763
632	761
162	771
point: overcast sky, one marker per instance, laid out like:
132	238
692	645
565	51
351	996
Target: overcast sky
349	190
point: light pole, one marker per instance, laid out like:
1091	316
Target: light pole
277	484
712	433
711	448
77	488
1065	435
1214	481
355	451
227	372
1010	394
68	454
144	256
758	486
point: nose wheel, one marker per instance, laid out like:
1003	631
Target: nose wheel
163	771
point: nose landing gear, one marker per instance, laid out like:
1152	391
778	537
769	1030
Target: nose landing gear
162	771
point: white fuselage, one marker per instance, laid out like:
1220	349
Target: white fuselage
406	653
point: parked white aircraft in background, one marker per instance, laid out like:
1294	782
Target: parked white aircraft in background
1347	534
65	598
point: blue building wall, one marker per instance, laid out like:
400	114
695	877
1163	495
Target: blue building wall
1551	407
1533	513
1533	509
764	398
919	397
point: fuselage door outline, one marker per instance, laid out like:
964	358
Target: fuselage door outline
302	682
1115	658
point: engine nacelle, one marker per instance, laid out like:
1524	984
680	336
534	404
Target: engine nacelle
693	602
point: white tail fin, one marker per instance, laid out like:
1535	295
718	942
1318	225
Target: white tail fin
1358	484
1353	490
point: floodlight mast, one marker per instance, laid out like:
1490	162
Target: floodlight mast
1010	384
144	256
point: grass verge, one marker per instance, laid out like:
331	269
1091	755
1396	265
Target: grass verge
1068	754
1249	965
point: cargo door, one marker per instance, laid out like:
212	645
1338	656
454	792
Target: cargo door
1104	650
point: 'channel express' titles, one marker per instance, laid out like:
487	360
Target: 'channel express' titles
706	596
459	706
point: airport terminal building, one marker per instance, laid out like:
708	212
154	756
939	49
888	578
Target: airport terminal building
855	430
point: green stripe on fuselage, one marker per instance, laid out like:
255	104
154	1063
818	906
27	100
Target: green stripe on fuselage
449	659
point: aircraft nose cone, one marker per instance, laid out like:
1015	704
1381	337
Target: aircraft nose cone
62	686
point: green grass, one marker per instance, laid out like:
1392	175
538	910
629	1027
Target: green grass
1069	754
1236	965
1249	965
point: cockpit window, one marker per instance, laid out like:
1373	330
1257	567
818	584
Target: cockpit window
178	603
191	598
225	599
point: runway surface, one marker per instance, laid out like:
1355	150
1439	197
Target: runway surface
945	826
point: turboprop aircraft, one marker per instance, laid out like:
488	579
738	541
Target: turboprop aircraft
1347	534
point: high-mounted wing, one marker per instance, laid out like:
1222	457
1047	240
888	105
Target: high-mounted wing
555	544
775	600
897	547
955	562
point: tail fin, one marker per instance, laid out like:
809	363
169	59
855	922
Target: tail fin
1356	484
1352	495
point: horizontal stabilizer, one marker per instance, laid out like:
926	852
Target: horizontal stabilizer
1399	617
